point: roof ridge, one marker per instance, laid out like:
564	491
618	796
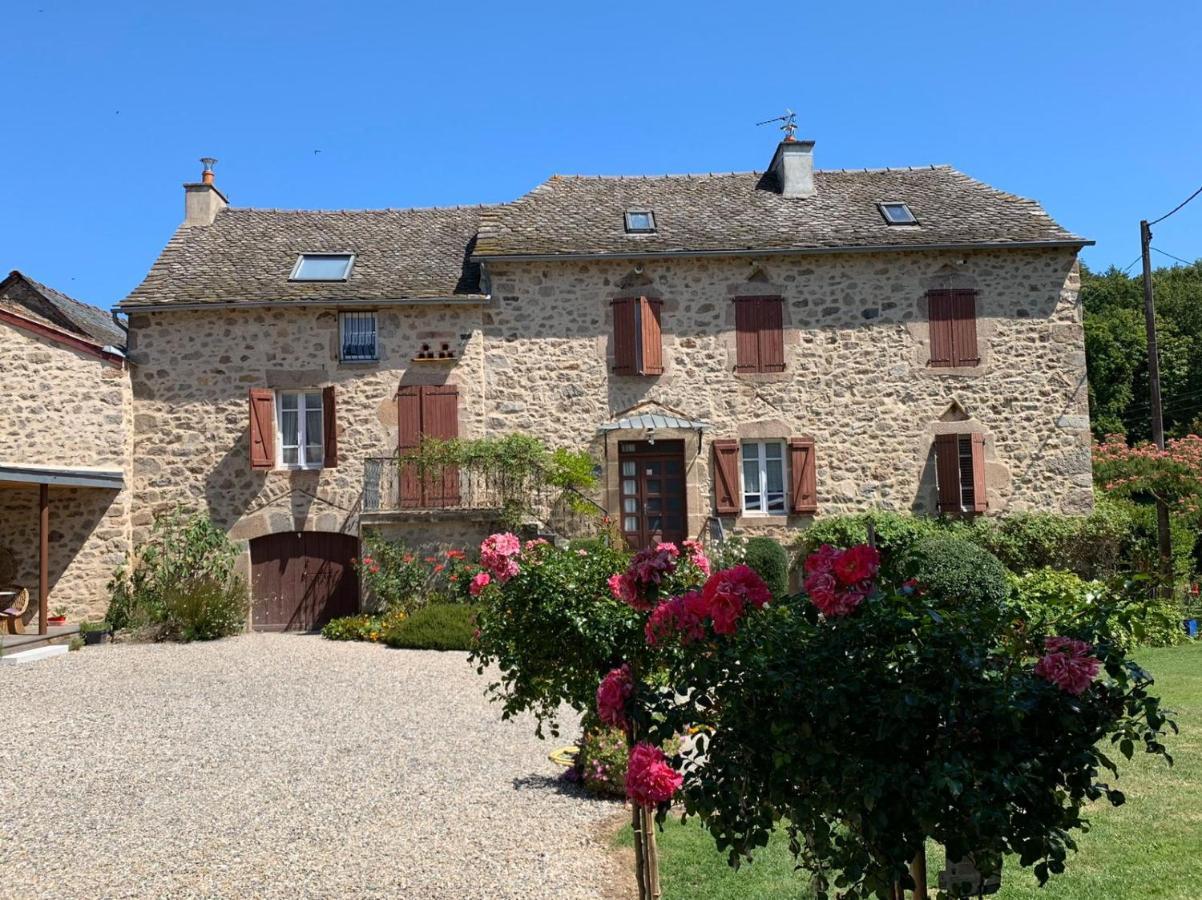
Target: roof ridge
352	211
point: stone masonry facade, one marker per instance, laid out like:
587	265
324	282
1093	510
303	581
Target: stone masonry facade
64	407
536	358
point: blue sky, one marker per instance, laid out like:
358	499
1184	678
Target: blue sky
1090	107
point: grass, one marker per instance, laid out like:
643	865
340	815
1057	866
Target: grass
1148	848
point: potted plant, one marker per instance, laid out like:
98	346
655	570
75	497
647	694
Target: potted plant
58	619
93	632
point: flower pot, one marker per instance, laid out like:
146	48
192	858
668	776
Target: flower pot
94	637
56	621
1191	627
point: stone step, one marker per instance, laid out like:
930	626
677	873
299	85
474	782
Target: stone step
39	653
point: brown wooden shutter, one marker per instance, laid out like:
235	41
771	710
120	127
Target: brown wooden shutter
772	334
652	344
262	428
747	329
409	435
329	424
803	478
963	305
440	420
947	471
980	500
727	501
625	311
940	315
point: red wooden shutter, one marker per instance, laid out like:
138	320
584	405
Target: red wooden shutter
652	343
963	307
747	329
329	423
440	420
803	479
980	500
727	501
772	334
625	310
409	436
940	315
262	428
947	472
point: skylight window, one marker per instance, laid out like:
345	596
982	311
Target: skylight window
897	214
640	221
323	267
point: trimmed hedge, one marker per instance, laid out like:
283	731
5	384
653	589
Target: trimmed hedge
769	559
957	571
440	626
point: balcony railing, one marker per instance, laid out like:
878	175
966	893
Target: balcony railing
393	485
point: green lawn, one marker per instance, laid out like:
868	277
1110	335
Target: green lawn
1149	848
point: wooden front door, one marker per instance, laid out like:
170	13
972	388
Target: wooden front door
651	491
302	579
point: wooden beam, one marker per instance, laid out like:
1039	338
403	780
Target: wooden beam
43	557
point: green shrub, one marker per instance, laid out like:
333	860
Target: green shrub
956	571
181	548
440	626
727	553
895	534
204	609
601	761
769	559
352	628
589	544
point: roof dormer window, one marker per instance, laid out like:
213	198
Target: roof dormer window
897	213
640	221
322	267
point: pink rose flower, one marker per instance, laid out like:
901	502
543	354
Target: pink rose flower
821	560
856	564
1068	665
729	592
622	587
613	694
668	547
683	617
479	583
496	555
650	781
697	556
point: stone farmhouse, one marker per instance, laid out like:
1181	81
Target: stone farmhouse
739	352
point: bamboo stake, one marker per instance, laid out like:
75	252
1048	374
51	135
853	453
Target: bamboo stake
918	871
640	862
649	841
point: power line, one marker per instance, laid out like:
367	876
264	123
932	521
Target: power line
1133	262
1177	207
1171	256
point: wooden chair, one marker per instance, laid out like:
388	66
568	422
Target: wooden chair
18	602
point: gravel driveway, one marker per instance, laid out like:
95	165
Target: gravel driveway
282	766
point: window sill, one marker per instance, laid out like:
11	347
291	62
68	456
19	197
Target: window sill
427	360
358	363
763	377
961	371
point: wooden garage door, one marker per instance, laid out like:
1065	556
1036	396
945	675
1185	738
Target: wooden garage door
302	579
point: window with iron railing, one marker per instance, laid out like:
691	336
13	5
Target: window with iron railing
358	336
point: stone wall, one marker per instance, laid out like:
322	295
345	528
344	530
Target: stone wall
536	359
64	407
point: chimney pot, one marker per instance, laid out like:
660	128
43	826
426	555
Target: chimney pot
793	166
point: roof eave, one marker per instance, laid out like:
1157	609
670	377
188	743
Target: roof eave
448	300
1075	242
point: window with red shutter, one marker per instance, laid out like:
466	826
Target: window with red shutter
262	428
329	422
803	477
651	342
952	315
727	499
638	341
759	334
960	473
427	411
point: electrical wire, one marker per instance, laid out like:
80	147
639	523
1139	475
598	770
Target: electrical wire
1171	256
1177	207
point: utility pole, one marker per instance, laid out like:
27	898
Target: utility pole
1164	538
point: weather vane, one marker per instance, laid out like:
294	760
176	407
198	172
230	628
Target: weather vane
789	120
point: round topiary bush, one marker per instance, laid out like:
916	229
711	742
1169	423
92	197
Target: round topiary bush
954	570
769	560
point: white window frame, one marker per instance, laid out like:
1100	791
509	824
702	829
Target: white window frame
761	459
300	261
884	205
375	336
302	410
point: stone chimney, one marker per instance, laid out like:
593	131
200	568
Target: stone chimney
202	200
793	166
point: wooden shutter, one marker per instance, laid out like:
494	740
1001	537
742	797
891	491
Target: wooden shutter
940	315
329	424
651	343
409	436
964	328
625	311
772	334
803	478
947	472
747	329
440	419
262	428
980	500
727	501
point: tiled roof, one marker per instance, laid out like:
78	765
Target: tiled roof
745	212
32	299
249	254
